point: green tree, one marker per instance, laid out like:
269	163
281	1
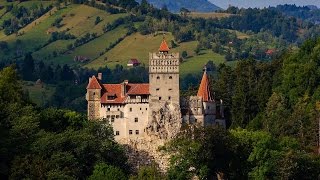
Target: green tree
104	171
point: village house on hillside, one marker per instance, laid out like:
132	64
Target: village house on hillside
133	63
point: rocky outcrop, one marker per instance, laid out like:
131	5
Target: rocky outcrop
164	125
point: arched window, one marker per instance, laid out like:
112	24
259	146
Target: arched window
170	77
158	77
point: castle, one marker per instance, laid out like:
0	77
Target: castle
136	110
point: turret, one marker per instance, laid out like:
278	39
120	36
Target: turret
93	97
209	105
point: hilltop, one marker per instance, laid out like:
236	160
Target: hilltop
192	5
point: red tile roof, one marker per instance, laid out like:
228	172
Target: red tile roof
133	61
112	90
138	89
115	90
94	83
204	89
164	46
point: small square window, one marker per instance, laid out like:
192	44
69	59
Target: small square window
146	109
108	109
157	89
117	116
108	116
140	109
112	118
130	109
130	131
117	133
170	77
136	119
137	131
159	98
169	98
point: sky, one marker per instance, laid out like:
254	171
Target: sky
262	3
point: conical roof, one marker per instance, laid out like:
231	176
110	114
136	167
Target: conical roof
204	89
94	84
164	46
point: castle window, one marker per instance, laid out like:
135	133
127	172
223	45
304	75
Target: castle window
108	109
111	97
117	116
136	119
112	118
195	120
130	109
159	98
137	131
130	131
169	98
208	107
157	89
118	109
146	109
158	77
108	116
140	109
117	133
170	89
132	97
170	77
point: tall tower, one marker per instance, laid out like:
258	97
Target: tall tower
163	77
93	97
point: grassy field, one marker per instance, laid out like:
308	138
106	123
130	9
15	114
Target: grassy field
209	15
239	34
139	46
77	20
26	4
37	93
37	35
195	64
134	46
81	20
93	48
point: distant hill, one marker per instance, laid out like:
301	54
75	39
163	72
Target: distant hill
192	5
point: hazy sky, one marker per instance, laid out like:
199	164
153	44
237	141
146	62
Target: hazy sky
262	3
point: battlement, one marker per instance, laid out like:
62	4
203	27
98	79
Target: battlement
164	63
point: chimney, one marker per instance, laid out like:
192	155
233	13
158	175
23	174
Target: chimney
100	76
124	88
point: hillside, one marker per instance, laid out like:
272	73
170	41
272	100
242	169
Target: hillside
192	5
96	34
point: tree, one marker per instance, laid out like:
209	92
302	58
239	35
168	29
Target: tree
184	54
184	12
98	20
28	68
103	171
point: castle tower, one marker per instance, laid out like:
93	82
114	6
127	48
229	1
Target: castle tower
163	78
164	75
93	97
209	105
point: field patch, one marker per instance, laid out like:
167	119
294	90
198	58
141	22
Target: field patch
209	15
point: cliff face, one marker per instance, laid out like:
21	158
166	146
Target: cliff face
192	5
165	125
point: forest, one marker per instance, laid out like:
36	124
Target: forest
272	108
